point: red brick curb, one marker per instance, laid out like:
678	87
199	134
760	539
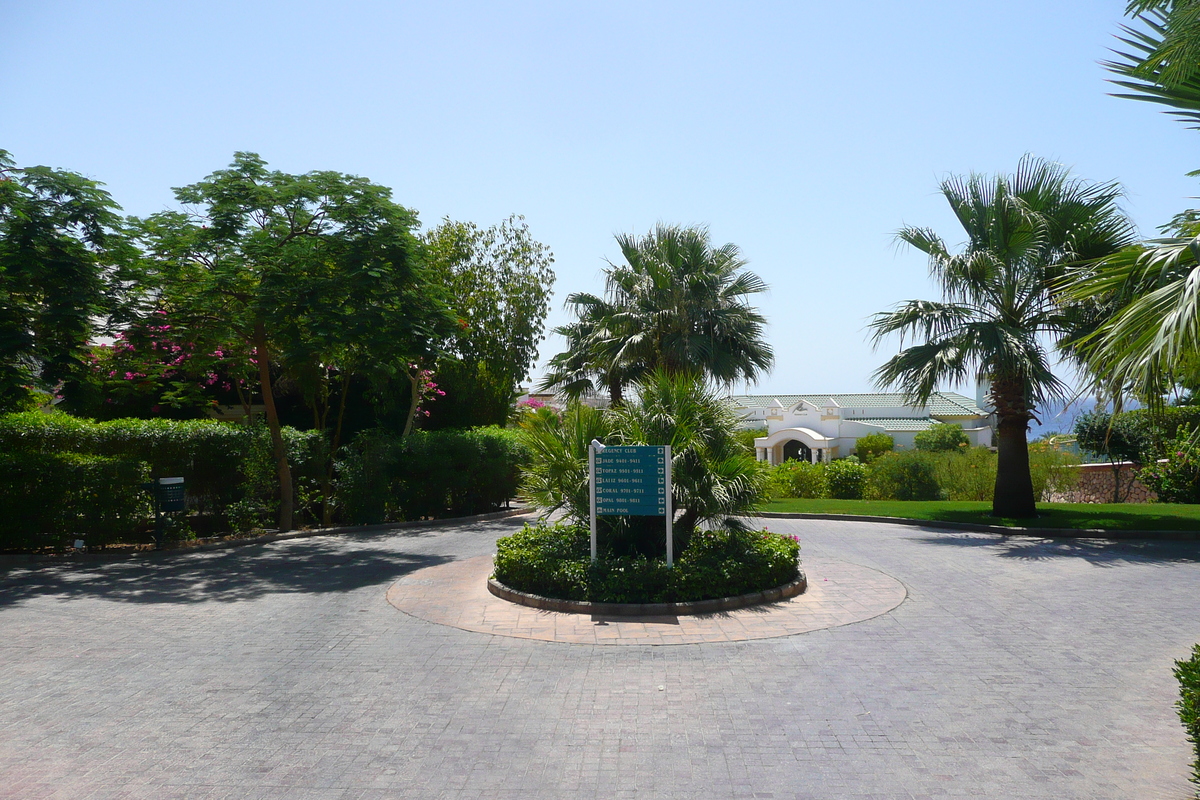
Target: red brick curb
648	609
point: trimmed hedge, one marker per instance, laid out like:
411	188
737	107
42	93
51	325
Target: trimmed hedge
49	499
428	474
222	463
553	560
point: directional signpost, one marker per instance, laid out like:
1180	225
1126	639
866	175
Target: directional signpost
631	481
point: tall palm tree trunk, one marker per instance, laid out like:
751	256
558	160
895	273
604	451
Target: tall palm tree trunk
1014	484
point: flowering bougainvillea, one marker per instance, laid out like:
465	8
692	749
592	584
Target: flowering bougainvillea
150	366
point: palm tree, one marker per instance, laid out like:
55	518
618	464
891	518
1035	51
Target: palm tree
677	304
591	361
714	481
1153	329
1000	304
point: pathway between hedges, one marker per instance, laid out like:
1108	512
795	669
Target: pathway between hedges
1014	668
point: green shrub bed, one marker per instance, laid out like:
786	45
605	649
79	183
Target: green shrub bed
553	560
968	473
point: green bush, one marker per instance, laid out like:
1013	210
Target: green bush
942	437
553	560
966	475
428	474
548	559
846	479
746	438
1054	472
1188	675
905	475
801	479
873	445
775	484
727	563
50	499
1176	480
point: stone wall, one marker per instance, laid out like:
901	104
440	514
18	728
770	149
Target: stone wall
1096	486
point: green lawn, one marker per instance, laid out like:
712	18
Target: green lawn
1110	516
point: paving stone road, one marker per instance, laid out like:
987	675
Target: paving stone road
1014	669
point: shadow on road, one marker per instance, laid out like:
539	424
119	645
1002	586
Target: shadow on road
240	573
1100	552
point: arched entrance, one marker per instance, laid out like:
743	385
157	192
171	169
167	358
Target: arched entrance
795	450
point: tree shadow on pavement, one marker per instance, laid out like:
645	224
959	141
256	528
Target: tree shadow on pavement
1100	552
321	565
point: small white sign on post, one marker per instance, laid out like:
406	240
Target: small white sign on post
631	480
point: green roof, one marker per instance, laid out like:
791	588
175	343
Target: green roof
896	424
941	404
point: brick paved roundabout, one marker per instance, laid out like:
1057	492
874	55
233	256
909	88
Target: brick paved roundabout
1013	669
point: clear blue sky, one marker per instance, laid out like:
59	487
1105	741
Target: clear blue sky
805	133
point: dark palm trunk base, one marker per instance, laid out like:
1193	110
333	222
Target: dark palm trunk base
1014	486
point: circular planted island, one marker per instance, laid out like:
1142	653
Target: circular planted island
548	566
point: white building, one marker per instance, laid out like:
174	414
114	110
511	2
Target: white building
821	427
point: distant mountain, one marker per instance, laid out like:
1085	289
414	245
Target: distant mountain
1059	417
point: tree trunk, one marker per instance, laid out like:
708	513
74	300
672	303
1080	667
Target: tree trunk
262	354
1014	485
616	395
414	402
327	486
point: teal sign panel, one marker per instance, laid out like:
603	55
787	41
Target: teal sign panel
631	481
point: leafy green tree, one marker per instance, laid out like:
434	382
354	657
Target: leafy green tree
1118	438
316	269
942	437
61	248
873	445
498	281
1022	232
677	304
